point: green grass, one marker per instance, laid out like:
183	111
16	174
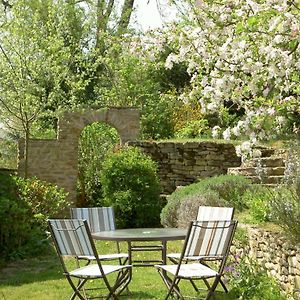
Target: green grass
42	278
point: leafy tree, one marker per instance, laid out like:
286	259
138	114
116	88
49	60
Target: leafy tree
51	59
245	53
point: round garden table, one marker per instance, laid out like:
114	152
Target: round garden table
143	236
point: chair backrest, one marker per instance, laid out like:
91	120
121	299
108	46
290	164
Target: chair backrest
71	237
98	218
209	238
208	213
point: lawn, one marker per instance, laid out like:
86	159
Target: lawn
41	278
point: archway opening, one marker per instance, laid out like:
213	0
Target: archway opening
96	140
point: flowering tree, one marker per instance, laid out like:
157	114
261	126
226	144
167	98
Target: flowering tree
245	53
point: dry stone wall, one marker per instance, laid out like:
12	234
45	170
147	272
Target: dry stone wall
280	258
183	163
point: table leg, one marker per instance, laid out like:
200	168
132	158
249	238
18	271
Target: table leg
164	252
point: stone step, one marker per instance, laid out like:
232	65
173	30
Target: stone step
252	171
266	152
265	162
266	180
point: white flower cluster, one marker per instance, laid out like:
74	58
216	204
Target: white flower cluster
245	51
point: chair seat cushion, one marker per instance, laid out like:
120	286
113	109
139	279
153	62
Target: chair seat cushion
189	270
106	256
93	271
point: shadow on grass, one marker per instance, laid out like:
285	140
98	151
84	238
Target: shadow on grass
31	270
138	295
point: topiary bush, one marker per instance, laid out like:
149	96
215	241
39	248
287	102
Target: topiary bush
24	207
131	186
223	190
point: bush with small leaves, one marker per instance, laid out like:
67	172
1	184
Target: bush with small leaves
223	190
131	186
25	206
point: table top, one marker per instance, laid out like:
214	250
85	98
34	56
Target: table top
141	234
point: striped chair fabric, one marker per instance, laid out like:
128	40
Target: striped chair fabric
207	213
208	239
211	213
99	218
204	239
71	237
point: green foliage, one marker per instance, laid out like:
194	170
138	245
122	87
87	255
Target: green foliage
257	198
131	186
193	129
188	208
8	154
229	189
96	140
24	207
127	71
241	238
44	199
249	281
14	218
285	210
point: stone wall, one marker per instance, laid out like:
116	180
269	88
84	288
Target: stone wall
278	256
56	160
183	163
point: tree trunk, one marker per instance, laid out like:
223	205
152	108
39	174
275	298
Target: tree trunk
26	147
125	16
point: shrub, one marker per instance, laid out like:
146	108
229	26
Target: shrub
96	140
14	218
285	210
189	207
258	198
223	190
193	129
44	199
229	187
24	207
131	186
249	281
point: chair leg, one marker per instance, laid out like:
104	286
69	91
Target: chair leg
211	292
172	285
77	288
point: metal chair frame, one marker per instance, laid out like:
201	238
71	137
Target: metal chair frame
207	213
212	239
100	219
72	238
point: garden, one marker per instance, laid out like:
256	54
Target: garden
222	72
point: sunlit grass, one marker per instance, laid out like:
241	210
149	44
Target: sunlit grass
42	278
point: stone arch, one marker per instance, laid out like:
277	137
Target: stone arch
56	160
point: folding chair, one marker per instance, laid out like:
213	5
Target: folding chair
99	219
207	213
210	239
72	238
